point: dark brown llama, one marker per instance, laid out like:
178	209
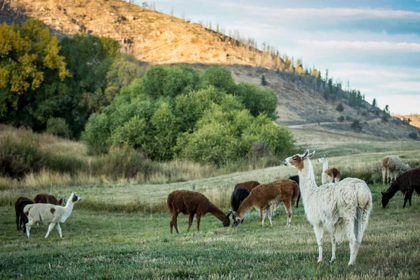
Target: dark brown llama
21	218
407	183
250	185
46	198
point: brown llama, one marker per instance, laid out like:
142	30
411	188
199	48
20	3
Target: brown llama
192	203
267	197
391	166
46	198
21	218
250	185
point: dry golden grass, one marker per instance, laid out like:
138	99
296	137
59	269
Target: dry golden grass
415	119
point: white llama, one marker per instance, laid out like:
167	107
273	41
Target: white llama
328	174
49	214
341	208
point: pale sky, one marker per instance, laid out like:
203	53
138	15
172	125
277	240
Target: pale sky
373	44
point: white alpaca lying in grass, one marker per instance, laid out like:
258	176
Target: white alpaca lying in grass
49	214
339	208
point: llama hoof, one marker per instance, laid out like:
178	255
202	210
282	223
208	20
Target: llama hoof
319	261
351	264
287	225
332	260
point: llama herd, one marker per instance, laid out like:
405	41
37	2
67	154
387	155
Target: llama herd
342	208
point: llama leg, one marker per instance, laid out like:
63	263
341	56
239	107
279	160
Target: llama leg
176	222
190	221
28	227
198	222
288	206
387	177
352	241
297	203
50	227
270	212
319	234
171	223
17	221
59	230
409	198
405	199
333	245
263	213
383	175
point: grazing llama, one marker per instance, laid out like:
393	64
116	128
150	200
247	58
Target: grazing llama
391	167
20	215
328	174
407	183
188	202
340	208
267	197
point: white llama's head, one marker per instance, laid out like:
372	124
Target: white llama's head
297	161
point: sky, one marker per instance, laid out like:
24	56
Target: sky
375	45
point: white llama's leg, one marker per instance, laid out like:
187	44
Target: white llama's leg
50	227
270	212
319	234
59	229
333	245
352	240
28	227
387	175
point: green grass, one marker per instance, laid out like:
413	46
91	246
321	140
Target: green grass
100	244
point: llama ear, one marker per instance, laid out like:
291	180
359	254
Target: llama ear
228	215
383	193
311	154
305	154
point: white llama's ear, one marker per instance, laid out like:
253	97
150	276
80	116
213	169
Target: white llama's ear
305	154
311	154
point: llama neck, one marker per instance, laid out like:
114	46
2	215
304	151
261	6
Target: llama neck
307	181
325	165
68	209
392	190
217	212
244	207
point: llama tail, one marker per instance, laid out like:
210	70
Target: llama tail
27	208
364	207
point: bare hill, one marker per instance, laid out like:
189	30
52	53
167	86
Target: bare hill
415	119
151	36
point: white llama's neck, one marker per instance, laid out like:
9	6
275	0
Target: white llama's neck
325	165
68	209
307	182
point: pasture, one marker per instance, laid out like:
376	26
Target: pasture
122	231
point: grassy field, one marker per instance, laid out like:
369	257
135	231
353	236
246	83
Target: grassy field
98	244
122	231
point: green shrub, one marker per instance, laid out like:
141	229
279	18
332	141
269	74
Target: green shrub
219	77
58	127
413	135
257	101
97	134
154	80
356	126
341	119
340	108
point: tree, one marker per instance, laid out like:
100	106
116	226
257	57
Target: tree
29	57
386	110
263	81
374	104
340	108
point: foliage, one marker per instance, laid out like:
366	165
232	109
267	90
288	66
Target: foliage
58	127
256	100
356	126
263	81
170	114
218	77
340	108
341	119
26	52
413	135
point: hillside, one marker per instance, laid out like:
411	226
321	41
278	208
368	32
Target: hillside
415	119
157	38
151	36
